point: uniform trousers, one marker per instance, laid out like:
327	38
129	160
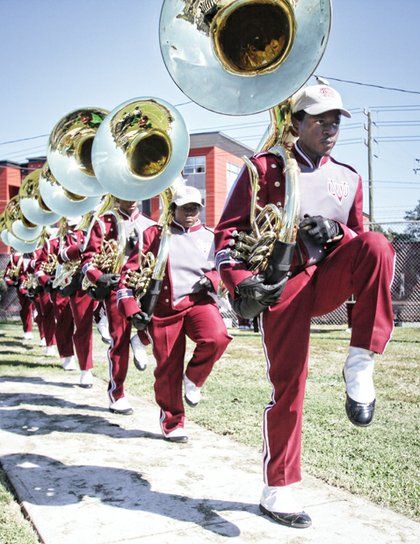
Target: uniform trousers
48	319
38	317
203	324
118	352
364	267
26	308
64	325
82	307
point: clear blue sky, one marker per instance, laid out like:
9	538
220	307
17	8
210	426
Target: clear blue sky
57	55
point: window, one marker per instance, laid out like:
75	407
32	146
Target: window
195	165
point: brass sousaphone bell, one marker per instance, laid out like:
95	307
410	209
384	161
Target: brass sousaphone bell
240	57
67	182
17	224
31	203
140	148
13	222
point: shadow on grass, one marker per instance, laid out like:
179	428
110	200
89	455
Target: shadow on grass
120	488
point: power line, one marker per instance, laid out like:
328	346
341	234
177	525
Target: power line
383	87
24	139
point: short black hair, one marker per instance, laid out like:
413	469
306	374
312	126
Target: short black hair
299	115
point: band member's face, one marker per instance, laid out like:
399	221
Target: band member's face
127	206
187	215
318	134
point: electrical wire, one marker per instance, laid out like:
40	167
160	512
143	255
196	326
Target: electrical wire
383	87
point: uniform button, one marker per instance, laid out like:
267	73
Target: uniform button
274	166
165	287
166	299
278	204
276	184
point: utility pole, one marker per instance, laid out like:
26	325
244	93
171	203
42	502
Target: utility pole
368	143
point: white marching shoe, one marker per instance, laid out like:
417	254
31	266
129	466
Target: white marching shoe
192	392
69	363
177	435
42	343
360	391
27	336
280	504
50	351
103	329
141	359
86	379
121	406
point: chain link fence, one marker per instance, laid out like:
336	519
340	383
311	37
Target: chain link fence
405	290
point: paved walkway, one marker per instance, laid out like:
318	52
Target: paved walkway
85	475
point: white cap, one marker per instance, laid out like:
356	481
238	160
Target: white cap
186	195
317	99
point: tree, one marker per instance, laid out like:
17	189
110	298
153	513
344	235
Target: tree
413	229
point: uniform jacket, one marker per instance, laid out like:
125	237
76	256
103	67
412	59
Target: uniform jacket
329	188
16	259
111	226
191	256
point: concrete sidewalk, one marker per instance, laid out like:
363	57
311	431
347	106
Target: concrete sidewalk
85	475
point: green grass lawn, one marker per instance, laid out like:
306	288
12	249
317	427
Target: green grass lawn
379	462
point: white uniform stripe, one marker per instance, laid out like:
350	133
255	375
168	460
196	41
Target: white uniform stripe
266	443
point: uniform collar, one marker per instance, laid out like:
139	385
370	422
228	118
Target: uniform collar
178	226
126	216
303	158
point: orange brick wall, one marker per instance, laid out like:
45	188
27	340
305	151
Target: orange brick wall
10	180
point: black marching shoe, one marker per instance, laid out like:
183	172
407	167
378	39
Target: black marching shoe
296	520
360	413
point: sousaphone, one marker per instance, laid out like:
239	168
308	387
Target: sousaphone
140	148
69	152
240	57
18	225
31	203
61	201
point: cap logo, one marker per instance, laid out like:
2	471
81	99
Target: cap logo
327	92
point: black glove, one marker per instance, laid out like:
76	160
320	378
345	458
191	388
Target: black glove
104	285
253	296
205	284
255	288
140	320
108	280
48	286
321	229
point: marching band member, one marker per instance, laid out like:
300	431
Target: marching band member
30	286
81	304
14	275
45	267
355	262
123	225
184	309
